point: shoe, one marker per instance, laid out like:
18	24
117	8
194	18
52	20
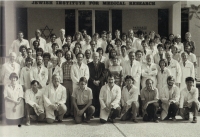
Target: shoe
92	117
111	120
135	120
194	120
87	120
59	121
173	119
156	121
167	118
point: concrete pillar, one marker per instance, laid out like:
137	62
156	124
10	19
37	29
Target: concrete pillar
10	23
175	18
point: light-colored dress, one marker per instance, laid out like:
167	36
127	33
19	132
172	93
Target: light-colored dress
14	94
25	77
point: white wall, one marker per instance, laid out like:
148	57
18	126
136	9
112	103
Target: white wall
140	17
39	18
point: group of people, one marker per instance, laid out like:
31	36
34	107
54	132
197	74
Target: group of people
91	76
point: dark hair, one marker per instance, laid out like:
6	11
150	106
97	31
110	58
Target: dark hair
83	30
143	41
53	35
39	50
109	45
170	78
78	33
149	79
164	38
83	79
146	36
13	75
124	34
66	45
29	59
167	42
103	32
151	41
35	42
21	47
68	36
34	81
138	52
59	51
46	54
95	34
118	40
79	54
53	45
110	75
157	36
163	60
140	32
99	49
160	45
109	32
129	77
78	43
71	54
123	46
93	41
75	49
189	79
131	53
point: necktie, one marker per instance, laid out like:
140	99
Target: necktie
39	69
145	52
53	70
62	40
168	63
184	64
131	63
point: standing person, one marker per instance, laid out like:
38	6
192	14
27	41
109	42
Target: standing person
79	70
140	57
163	40
138	42
157	40
174	67
176	55
116	71
133	68
54	100
22	56
102	41
187	69
48	46
30	55
149	97
109	62
163	73
124	55
78	38
189	100
129	100
9	67
82	101
61	59
25	74
167	46
129	46
84	33
36	45
102	59
87	43
18	43
65	48
171	39
34	102
39	73
14	104
67	82
109	98
95	82
61	40
160	55
118	44
170	100
38	37
131	36
152	35
124	37
149	71
47	63
108	49
152	48
179	44
188	37
109	38
87	58
117	35
54	47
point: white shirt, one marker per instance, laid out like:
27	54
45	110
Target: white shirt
60	43
25	77
41	76
34	99
157	58
129	96
170	94
175	69
86	61
16	45
134	70
103	59
192	57
189	96
138	44
7	69
74	43
14	94
42	43
58	71
78	72
85	47
124	59
48	47
180	47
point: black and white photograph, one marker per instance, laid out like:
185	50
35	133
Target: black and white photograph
99	68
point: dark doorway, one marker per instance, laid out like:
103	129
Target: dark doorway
101	21
184	22
70	22
163	22
116	21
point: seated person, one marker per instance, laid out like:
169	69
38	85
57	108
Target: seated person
34	102
189	100
129	100
54	100
170	99
149	97
109	98
82	101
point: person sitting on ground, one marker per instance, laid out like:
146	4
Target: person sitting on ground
34	102
82	101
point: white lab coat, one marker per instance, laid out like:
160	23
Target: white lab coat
60	43
16	45
48	47
149	72
187	71
77	73
157	58
138	44
42	77
42	43
58	71
134	71
175	69
52	96
7	69
14	94
109	98
25	77
162	80
35	99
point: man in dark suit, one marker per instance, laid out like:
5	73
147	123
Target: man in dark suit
96	80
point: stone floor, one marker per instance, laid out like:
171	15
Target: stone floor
68	128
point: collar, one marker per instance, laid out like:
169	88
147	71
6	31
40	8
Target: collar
149	90
79	88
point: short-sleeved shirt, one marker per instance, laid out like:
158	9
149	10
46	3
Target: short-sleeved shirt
82	96
147	95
